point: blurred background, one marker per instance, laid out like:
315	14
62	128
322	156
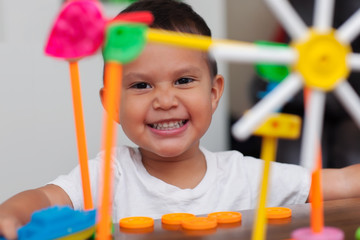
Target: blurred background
37	136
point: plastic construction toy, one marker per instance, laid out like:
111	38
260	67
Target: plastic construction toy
276	126
125	42
77	32
321	59
272	72
226	217
59	223
199	223
278	212
176	218
357	234
136	222
119	34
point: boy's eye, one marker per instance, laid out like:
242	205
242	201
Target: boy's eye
184	81
141	85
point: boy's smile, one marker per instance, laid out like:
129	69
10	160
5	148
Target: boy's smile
167	100
168	125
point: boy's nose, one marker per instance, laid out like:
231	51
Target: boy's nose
165	99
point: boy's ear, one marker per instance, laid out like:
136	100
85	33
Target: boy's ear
216	91
102	93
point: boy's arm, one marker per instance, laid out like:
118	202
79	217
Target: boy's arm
17	210
341	183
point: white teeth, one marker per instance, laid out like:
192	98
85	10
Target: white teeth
168	125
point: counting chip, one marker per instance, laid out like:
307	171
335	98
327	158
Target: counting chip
199	223
136	222
226	217
176	218
278	212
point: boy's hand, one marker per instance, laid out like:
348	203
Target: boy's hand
17	210
9	226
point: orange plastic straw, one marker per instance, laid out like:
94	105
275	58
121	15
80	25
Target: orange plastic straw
80	134
316	195
113	74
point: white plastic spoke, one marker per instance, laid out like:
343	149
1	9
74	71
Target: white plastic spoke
353	61
323	15
349	99
250	53
349	30
244	127
289	19
312	128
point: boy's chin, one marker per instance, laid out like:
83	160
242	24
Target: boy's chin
168	152
164	153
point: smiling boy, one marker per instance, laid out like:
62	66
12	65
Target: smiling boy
166	108
168	97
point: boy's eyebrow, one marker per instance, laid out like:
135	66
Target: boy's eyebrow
178	72
135	75
187	70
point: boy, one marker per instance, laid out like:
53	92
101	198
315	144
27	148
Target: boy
168	97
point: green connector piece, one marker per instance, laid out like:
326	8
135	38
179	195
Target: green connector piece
272	72
357	234
124	42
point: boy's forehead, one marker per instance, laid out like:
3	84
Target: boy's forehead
154	52
158	59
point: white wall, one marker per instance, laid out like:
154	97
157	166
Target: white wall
248	21
37	137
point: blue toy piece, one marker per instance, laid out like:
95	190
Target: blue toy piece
59	223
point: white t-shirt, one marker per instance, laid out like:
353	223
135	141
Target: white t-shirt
231	183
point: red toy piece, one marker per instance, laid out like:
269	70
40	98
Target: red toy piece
137	17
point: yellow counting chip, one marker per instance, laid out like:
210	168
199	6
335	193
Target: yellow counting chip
280	126
278	212
136	222
226	217
199	223
176	218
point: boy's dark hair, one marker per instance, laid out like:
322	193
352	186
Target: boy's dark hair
175	16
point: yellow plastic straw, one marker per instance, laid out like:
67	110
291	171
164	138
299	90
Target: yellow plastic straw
188	40
80	134
268	153
113	75
183	40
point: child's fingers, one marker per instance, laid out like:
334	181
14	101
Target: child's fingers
8	228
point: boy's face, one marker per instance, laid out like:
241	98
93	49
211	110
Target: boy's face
167	99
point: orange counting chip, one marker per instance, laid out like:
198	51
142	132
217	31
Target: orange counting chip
226	217
278	212
176	218
136	222
199	223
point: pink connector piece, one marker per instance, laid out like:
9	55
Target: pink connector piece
79	30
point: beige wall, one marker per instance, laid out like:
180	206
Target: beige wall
247	20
